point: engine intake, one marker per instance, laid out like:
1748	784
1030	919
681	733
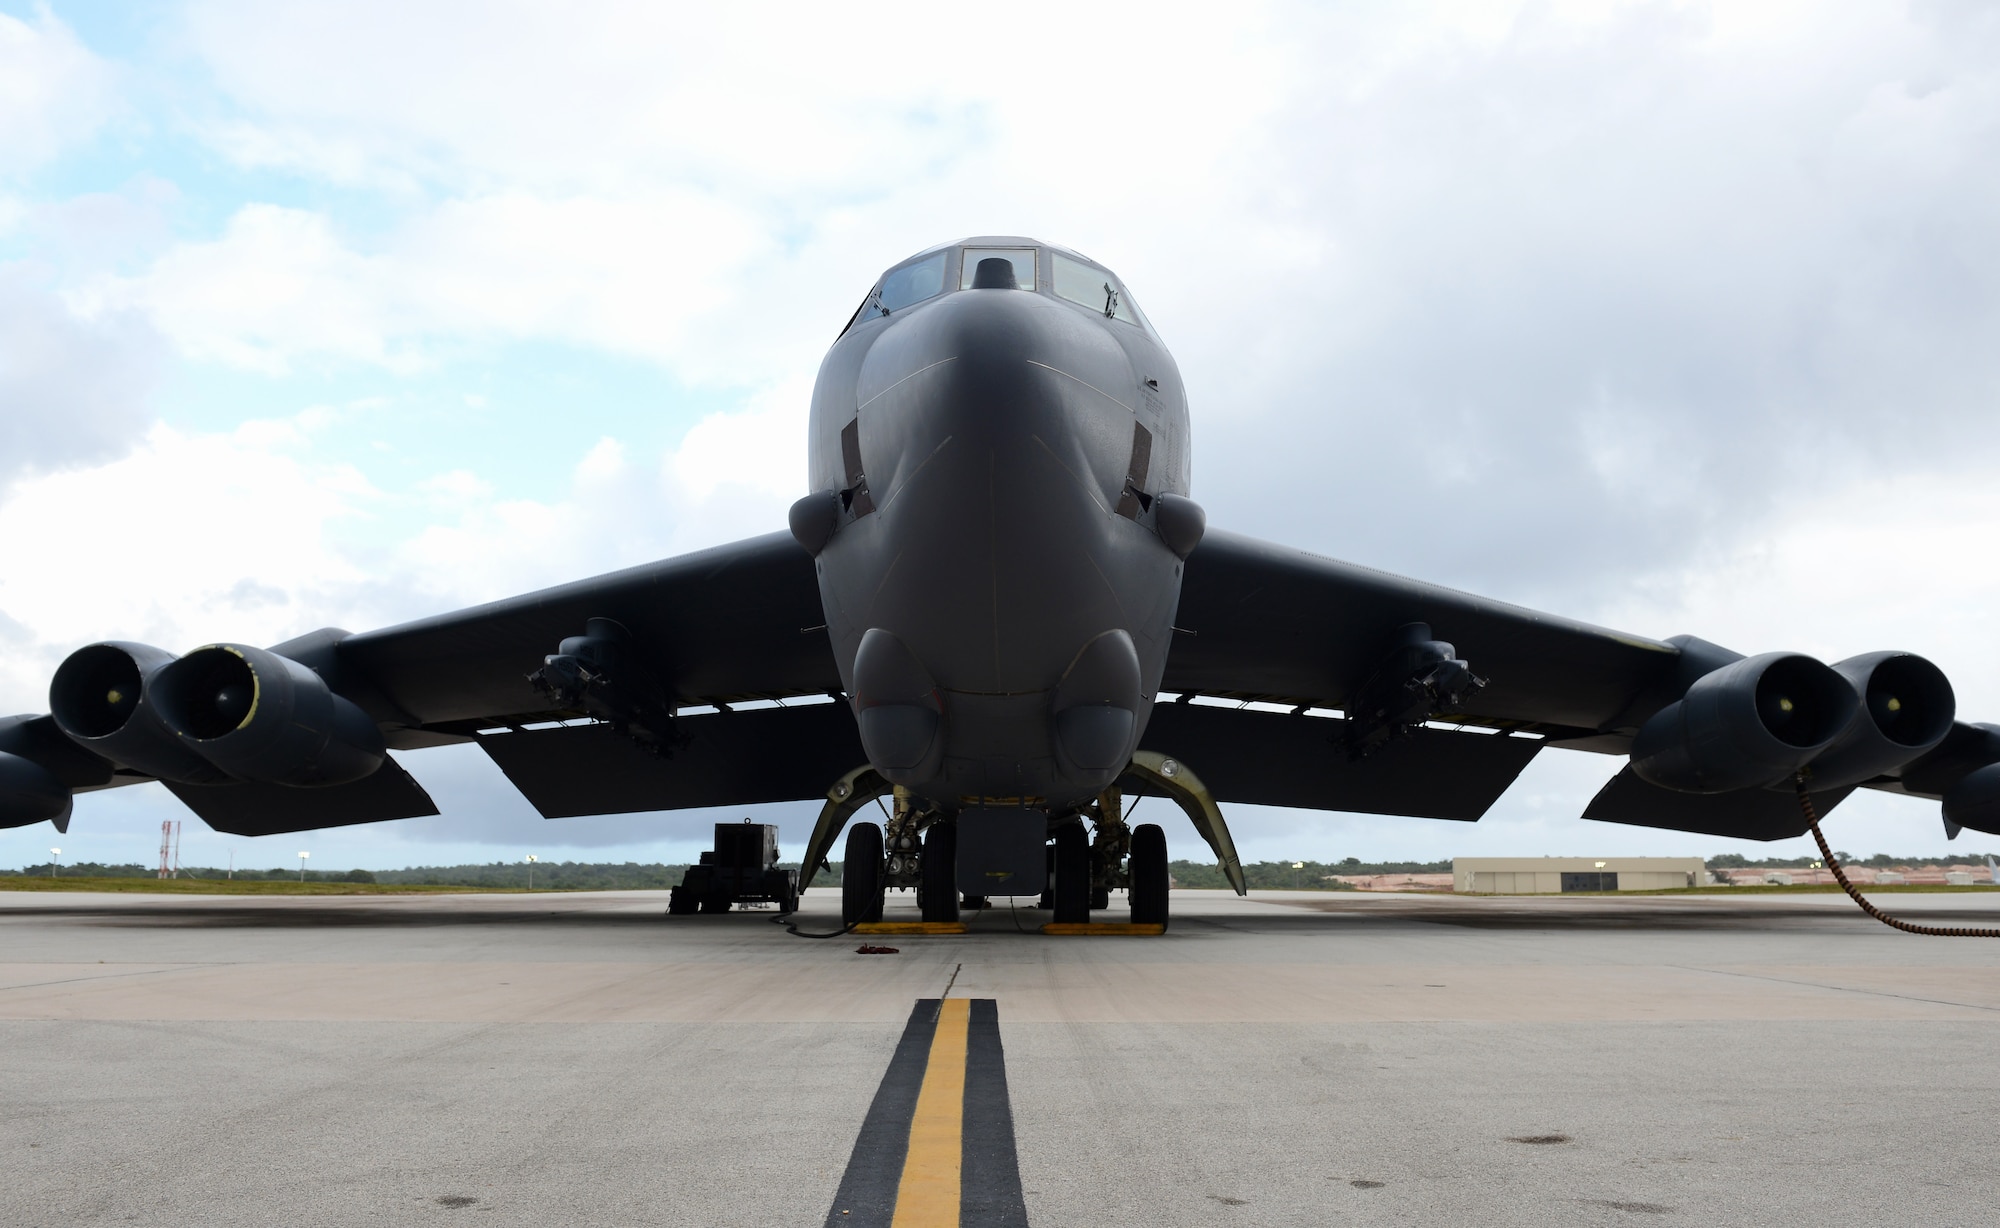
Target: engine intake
1746	725
101	698
1907	708
262	717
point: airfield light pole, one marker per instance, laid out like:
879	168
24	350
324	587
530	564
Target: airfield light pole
55	855
531	871
302	865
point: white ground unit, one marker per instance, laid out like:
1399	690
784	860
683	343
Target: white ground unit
1550	875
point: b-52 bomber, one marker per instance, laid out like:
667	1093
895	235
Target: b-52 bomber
1000	607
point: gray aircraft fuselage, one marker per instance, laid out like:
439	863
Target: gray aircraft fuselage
992	458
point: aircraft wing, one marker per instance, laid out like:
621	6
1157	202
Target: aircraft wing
1264	622
719	627
733	623
1271	625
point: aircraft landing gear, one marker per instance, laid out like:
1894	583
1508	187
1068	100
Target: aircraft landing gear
861	875
1110	842
1149	875
938	892
1072	883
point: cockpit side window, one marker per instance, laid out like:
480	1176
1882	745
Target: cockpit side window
1022	258
1094	288
912	284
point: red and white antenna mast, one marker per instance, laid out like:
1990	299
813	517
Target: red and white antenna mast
170	848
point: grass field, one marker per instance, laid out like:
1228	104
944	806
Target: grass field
235	886
1806	889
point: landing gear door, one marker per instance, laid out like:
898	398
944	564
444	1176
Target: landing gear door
1002	852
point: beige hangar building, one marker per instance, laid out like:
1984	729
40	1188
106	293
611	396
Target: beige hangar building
1551	875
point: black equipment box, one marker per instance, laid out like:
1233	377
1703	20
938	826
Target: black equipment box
742	868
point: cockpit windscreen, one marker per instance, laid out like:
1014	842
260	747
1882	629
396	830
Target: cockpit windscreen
1093	288
913	283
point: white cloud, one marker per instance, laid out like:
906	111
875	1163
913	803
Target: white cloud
760	451
157	546
71	390
281	288
1884	561
793	101
53	91
247	535
1676	316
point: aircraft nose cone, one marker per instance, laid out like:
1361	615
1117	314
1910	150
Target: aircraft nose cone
1000	368
999	427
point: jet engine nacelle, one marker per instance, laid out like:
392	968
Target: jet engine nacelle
1975	801
29	793
1749	724
262	717
101	698
1906	706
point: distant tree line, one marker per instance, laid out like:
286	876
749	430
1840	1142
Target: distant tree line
1296	875
93	869
549	875
655	876
1737	861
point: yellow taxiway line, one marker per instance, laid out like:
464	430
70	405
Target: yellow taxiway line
929	1194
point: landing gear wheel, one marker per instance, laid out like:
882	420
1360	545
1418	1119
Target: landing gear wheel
1148	865
940	872
681	902
1072	886
861	875
1100	897
1047	899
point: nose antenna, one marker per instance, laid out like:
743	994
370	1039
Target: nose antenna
994	273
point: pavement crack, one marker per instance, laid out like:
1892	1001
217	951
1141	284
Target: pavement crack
1874	993
108	976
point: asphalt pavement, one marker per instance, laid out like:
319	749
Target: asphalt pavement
1293	1058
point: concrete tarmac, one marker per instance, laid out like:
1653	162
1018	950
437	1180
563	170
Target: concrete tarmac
1293	1058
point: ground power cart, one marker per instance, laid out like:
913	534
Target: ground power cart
742	868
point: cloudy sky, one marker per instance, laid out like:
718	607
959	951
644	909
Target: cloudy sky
1676	317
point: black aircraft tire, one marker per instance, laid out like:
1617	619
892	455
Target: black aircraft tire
1072	875
1149	875
940	872
1047	899
861	875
